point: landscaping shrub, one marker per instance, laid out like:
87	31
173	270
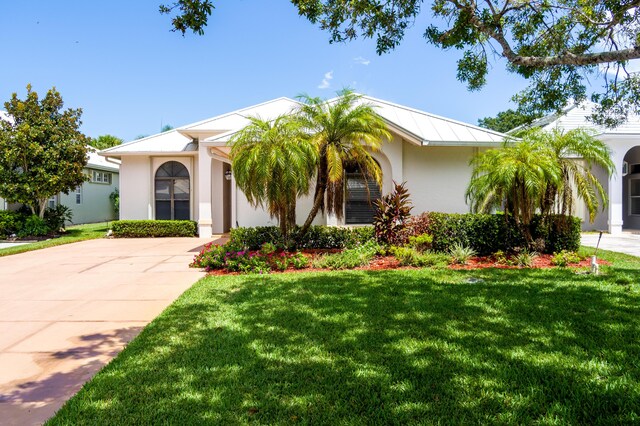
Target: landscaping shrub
392	212
153	228
488	234
422	242
318	237
55	217
565	258
262	261
349	258
461	254
33	227
526	258
409	256
10	222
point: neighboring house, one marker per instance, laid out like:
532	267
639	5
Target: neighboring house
623	187
185	173
90	202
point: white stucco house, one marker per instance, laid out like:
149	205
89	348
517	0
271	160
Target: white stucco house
185	173
623	187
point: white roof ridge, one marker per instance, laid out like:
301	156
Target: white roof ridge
113	148
439	117
236	112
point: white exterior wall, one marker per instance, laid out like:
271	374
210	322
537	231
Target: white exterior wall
437	177
135	193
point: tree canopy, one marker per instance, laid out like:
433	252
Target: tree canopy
105	141
42	152
505	121
560	46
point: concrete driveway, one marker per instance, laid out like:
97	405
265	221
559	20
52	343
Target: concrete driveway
622	243
66	311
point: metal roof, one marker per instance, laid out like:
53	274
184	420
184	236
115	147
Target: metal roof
416	126
577	116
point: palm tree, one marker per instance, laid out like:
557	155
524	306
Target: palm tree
514	177
345	131
575	152
273	163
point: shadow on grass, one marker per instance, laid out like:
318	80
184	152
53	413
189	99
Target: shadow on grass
380	348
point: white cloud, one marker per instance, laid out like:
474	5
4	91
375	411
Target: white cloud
326	81
362	61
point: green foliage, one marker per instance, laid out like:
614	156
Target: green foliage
422	242
461	254
525	258
507	120
273	162
114	197
105	141
344	130
392	212
234	259
56	217
153	228
539	174
560	46
349	258
489	233
318	237
565	258
10	222
33	227
409	256
191	15
42	151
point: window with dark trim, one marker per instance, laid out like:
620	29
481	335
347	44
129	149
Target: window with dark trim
361	193
172	192
634	196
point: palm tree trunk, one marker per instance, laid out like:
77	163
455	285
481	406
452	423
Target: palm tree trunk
321	189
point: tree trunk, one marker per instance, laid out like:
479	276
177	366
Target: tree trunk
321	189
43	206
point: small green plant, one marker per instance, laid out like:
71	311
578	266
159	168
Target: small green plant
267	248
349	258
564	258
34	227
299	261
115	201
408	256
56	217
461	254
421	242
526	258
501	258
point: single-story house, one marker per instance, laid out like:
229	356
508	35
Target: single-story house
186	173
623	187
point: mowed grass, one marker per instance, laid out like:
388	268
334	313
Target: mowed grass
399	347
74	234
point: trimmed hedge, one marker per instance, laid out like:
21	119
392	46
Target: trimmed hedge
153	228
487	233
318	237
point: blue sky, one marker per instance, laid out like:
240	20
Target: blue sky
120	63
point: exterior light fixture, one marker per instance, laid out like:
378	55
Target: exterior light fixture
227	175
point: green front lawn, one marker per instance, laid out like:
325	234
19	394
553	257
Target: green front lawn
390	347
74	234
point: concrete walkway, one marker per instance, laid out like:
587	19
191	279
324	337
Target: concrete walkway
66	311
622	243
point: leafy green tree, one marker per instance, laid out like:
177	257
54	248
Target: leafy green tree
559	45
575	152
515	178
507	120
42	151
105	141
166	128
543	172
273	163
345	131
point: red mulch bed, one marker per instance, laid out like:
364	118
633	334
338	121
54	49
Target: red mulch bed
381	263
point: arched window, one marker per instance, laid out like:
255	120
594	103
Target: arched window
360	196
172	192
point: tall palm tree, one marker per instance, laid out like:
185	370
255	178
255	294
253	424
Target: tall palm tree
345	131
575	152
273	163
514	177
